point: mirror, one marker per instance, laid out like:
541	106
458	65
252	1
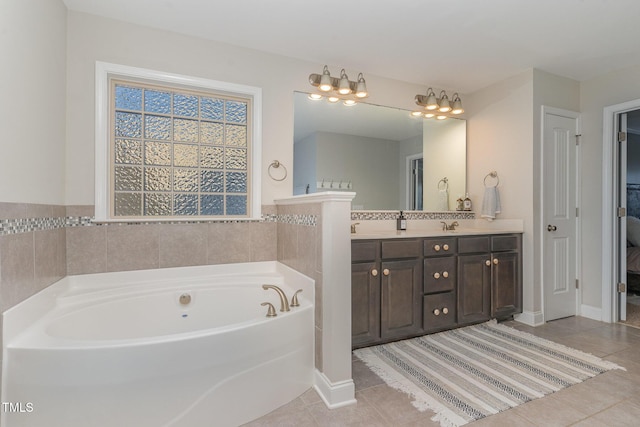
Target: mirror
391	160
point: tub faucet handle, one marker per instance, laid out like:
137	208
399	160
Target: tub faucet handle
284	304
294	299
271	312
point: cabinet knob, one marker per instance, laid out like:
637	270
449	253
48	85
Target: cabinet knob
385	271
436	312
445	247
436	248
445	310
374	272
445	274
488	262
495	261
436	275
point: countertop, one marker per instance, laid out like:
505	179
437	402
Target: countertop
376	230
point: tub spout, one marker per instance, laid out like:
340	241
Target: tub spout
284	304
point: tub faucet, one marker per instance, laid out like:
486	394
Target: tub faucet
284	304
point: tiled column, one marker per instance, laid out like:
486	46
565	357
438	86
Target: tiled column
333	379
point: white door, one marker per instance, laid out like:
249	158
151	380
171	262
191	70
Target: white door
559	213
622	219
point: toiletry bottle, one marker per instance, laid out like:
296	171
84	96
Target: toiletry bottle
459	204
467	203
401	223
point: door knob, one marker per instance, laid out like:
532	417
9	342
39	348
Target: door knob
551	227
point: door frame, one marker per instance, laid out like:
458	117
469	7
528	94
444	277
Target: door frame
409	178
610	309
542	231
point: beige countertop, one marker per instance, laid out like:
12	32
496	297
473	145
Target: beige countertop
431	228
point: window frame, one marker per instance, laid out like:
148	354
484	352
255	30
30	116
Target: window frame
105	72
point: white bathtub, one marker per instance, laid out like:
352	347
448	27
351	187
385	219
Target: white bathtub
119	349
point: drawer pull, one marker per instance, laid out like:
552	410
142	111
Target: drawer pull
445	274
445	310
436	312
445	247
488	262
436	248
495	261
385	271
436	275
374	272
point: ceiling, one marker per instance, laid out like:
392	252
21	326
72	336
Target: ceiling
461	45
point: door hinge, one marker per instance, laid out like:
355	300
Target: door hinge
577	284
622	212
577	212
578	139
622	287
622	136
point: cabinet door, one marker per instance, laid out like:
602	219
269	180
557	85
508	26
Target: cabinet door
474	288
506	284
365	304
401	298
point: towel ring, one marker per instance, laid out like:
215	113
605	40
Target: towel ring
444	181
492	174
275	165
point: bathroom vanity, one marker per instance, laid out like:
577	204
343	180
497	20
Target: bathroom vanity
417	283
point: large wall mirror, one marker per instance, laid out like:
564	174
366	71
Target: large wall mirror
391	160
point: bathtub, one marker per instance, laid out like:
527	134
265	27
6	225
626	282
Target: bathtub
170	347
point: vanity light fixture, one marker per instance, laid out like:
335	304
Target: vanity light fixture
439	107
337	89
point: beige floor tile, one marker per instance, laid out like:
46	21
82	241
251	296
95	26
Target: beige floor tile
609	399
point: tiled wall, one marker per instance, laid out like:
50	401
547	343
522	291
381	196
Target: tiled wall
300	247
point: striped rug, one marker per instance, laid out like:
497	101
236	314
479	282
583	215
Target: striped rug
470	373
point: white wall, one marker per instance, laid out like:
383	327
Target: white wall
500	138
92	38
33	85
596	94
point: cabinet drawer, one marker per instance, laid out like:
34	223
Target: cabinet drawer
508	242
405	248
439	274
467	245
440	246
364	251
439	311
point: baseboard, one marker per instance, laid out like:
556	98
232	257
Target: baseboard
531	318
334	395
591	312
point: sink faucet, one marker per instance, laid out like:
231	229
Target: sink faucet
450	227
284	304
353	227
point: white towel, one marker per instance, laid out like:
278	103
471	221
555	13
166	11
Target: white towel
490	203
443	200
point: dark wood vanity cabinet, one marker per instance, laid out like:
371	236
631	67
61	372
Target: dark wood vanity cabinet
402	288
440	279
386	290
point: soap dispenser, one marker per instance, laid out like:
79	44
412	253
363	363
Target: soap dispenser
467	203
401	223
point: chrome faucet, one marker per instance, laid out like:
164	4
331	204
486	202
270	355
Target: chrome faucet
450	227
284	304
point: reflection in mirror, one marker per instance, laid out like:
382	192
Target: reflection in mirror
391	160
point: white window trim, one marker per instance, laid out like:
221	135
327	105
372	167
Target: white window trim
104	71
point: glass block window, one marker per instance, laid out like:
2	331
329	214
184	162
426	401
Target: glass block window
178	153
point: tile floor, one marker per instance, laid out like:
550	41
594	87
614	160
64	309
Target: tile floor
610	399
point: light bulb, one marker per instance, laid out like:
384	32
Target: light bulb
349	102
344	87
333	99
325	80
361	87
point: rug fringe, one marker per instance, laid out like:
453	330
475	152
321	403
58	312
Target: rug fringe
421	401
